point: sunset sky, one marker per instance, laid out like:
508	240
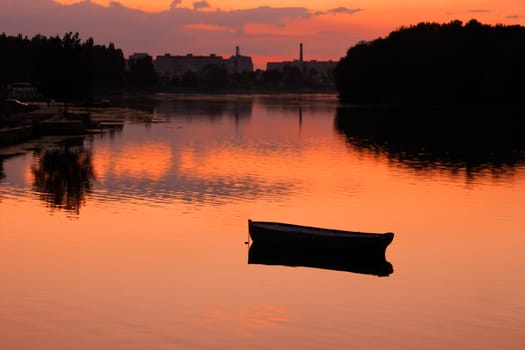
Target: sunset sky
267	30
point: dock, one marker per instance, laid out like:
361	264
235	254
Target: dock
22	127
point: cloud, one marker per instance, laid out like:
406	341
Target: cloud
208	27
174	4
479	11
344	10
260	15
338	11
514	16
261	32
197	5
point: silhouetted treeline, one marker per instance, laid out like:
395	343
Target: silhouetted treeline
437	63
61	68
216	77
141	72
67	68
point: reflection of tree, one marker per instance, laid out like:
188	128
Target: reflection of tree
2	175
63	176
470	138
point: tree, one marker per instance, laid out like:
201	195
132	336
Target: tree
64	68
68	68
141	71
215	76
436	63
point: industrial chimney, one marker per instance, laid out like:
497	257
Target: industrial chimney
301	52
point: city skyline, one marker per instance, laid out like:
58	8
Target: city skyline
265	30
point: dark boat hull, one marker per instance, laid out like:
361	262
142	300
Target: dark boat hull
325	241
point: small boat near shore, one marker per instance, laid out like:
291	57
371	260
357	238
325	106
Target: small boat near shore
324	240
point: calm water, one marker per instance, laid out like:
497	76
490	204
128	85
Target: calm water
135	238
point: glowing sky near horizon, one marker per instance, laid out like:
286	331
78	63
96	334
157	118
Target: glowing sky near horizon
479	6
264	29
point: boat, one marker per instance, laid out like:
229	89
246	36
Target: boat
262	254
308	239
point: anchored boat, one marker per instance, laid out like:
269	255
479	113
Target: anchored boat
282	234
275	243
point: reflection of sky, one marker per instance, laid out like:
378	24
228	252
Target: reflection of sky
203	151
195	169
179	270
17	174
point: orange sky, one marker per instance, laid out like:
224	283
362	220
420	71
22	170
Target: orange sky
394	6
267	30
397	10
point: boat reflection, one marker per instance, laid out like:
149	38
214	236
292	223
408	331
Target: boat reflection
265	254
466	138
63	175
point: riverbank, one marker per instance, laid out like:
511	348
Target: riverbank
20	127
17	128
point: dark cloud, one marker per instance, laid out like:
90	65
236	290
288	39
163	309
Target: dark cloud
344	10
175	3
197	5
479	11
514	16
337	11
178	30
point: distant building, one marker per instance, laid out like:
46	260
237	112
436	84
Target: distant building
168	66
238	63
324	70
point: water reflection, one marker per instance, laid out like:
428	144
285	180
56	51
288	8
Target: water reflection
144	103
472	139
2	174
155	174
146	277
63	175
296	105
330	260
208	106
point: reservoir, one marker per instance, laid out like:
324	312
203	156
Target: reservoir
136	237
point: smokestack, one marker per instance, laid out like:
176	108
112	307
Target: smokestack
301	52
237	51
